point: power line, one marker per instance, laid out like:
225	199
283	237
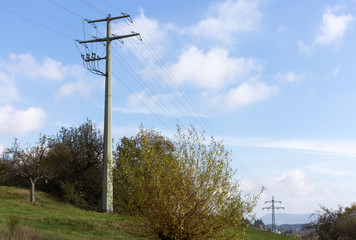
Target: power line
93	7
37	23
111	5
138	80
50	15
153	78
66	9
142	83
134	94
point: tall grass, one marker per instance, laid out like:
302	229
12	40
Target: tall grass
18	232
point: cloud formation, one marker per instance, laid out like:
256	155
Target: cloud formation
243	95
214	69
289	77
8	89
332	30
27	65
20	122
295	182
225	19
333	27
78	87
147	103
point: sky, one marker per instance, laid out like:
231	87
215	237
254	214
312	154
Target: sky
274	79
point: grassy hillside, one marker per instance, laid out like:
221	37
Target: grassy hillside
254	234
56	220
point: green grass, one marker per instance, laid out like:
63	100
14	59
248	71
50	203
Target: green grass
254	234
57	220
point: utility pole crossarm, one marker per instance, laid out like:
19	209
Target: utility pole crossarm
109	18
110	38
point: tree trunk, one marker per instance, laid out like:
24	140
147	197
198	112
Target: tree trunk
33	183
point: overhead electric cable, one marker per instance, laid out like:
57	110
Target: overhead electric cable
93	7
134	94
143	85
48	14
170	90
37	23
66	9
111	5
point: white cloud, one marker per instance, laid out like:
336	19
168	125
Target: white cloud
305	49
27	65
8	89
286	187
295	182
20	122
153	33
227	18
333	27
336	70
290	77
150	29
281	29
119	132
80	87
243	95
146	103
332	147
212	70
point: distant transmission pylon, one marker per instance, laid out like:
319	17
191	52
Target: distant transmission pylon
273	207
90	61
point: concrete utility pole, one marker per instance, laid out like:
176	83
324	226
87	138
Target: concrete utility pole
89	63
273	212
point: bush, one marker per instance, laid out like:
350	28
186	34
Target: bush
334	224
181	189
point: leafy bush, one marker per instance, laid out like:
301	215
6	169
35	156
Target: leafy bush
181	189
334	224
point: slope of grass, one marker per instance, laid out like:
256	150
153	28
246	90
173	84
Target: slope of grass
57	220
254	234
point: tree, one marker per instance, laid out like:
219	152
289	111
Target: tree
29	163
259	224
334	224
76	153
181	189
346	224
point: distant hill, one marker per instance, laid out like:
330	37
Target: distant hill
287	218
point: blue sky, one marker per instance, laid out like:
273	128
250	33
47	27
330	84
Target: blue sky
275	79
